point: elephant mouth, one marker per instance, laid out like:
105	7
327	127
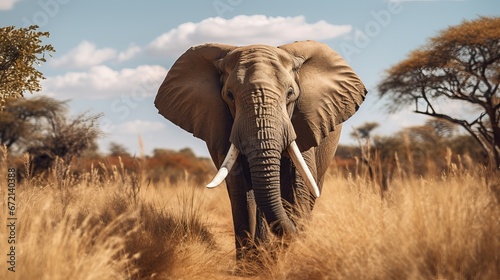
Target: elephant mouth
295	155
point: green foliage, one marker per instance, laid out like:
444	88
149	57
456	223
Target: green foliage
20	50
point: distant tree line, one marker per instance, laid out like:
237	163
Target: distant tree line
427	149
41	127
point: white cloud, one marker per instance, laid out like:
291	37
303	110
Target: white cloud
86	54
456	108
245	30
406	117
140	126
102	82
7	4
129	53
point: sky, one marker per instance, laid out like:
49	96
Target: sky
111	56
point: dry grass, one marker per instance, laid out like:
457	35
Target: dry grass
445	227
424	229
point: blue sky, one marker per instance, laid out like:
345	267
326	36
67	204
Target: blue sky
113	55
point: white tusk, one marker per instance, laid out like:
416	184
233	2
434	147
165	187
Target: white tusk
226	166
301	166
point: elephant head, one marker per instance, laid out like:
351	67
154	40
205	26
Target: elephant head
263	103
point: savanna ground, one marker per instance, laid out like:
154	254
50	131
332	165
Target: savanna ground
117	226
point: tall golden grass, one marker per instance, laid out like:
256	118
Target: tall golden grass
120	227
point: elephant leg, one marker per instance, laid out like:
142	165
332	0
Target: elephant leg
238	188
304	200
250	228
287	179
318	160
297	198
325	152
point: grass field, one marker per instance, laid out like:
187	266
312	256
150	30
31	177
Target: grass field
118	227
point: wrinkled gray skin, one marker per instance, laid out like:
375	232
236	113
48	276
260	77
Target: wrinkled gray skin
261	98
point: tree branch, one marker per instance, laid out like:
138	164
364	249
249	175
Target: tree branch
462	123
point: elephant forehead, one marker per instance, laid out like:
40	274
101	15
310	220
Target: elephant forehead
262	53
257	66
262	73
244	50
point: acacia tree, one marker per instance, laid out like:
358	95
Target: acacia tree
116	149
41	127
454	77
364	130
21	118
20	50
63	138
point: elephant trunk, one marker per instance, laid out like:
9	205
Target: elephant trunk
265	175
262	141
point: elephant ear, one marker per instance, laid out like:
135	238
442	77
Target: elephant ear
190	96
330	91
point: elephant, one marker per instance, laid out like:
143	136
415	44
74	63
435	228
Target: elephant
271	118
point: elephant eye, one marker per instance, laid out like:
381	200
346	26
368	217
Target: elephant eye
230	96
289	93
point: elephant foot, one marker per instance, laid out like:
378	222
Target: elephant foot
249	262
253	260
